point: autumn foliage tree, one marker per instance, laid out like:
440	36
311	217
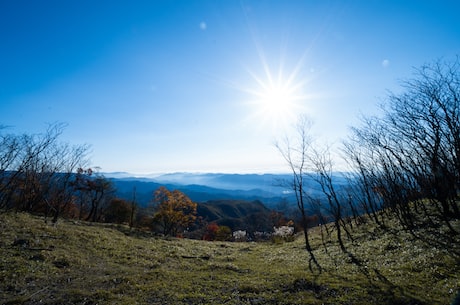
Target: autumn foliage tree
211	231
174	211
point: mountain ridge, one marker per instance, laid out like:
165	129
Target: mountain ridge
270	189
204	186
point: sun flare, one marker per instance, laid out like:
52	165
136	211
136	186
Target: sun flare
277	100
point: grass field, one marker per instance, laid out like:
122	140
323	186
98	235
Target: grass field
85	263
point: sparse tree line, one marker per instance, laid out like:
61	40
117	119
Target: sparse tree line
404	164
408	160
36	172
42	175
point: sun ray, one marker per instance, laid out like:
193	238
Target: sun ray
277	97
276	90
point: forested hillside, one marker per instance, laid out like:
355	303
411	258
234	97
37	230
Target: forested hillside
250	216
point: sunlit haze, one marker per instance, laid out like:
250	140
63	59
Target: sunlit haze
207	86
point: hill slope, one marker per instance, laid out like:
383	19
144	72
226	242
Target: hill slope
84	263
236	214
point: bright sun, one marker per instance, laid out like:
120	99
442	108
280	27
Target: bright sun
277	100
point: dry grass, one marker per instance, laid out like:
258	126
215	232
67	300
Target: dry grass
83	263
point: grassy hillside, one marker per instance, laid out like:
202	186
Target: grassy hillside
83	263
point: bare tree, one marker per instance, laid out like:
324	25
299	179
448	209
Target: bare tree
295	151
93	191
36	171
409	157
30	171
10	150
323	174
133	208
64	161
363	187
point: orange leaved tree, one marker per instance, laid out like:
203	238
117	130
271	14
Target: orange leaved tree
174	211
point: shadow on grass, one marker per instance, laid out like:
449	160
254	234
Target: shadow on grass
380	288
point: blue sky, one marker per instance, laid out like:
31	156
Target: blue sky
167	86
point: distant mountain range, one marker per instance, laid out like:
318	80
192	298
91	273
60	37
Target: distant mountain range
270	189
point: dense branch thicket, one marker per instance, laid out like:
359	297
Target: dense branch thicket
94	194
404	163
408	160
40	174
